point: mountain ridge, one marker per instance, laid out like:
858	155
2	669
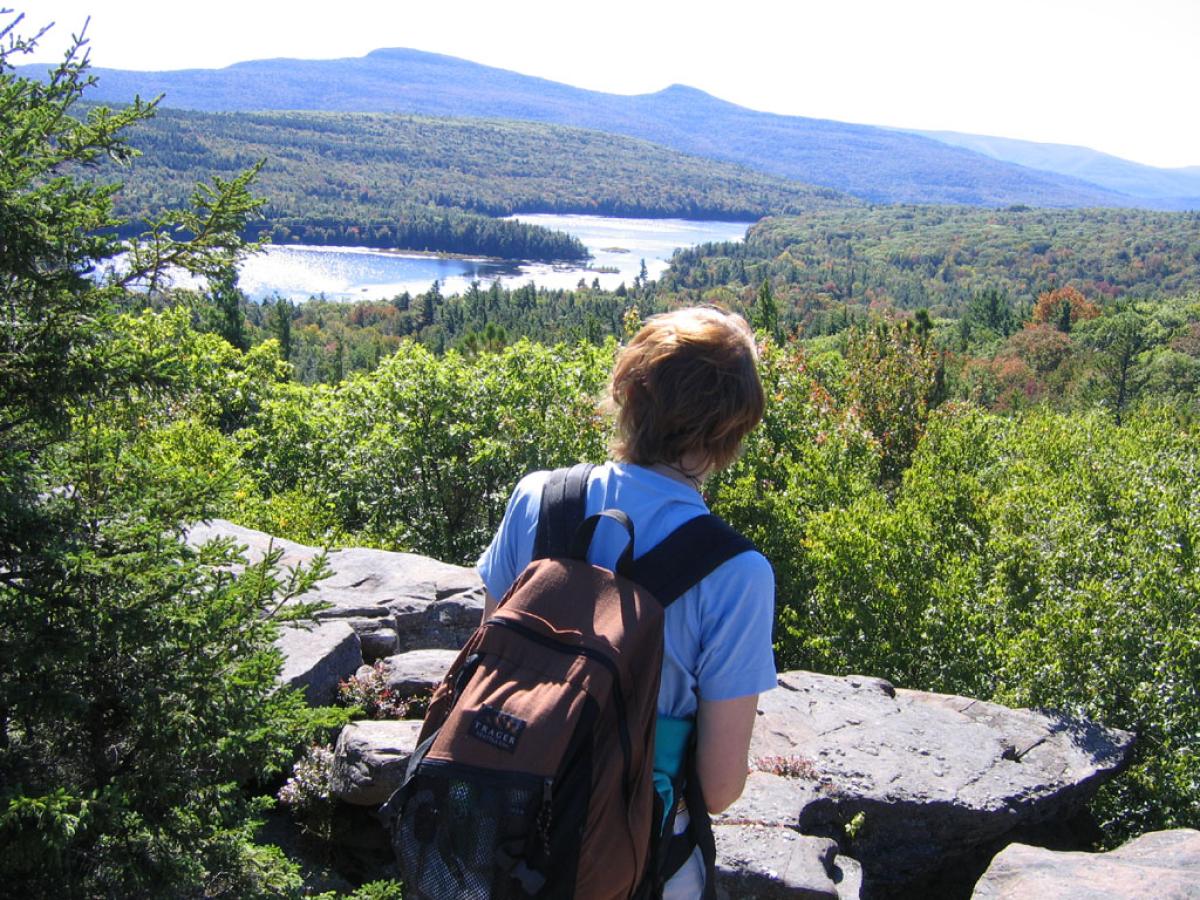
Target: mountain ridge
876	164
1180	183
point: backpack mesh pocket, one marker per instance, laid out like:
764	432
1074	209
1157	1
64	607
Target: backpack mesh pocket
460	836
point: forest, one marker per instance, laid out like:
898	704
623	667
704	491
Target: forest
419	183
937	257
995	495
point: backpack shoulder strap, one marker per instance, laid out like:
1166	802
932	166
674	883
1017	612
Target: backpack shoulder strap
564	502
688	554
681	560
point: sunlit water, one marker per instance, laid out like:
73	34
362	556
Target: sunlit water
340	273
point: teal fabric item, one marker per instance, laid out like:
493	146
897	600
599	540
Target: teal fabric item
671	740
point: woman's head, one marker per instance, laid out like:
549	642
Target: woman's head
687	387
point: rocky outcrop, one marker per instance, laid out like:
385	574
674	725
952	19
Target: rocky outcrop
429	604
761	861
370	759
317	656
911	783
1164	865
905	786
858	789
393	601
416	672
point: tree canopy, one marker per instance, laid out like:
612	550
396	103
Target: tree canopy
138	686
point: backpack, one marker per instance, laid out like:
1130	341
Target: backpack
533	776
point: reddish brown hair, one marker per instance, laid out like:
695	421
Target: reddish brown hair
687	383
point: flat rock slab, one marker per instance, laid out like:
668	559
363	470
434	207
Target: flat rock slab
427	602
778	863
257	543
370	759
316	656
417	671
909	782
1164	865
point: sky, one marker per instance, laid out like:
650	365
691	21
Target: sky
1119	77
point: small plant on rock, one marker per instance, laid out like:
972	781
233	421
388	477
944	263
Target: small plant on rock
369	692
309	792
787	766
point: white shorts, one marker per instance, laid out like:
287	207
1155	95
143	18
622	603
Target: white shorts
688	882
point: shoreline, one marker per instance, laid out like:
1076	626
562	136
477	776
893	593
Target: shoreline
430	254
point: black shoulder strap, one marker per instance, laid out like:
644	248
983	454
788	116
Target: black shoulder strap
681	560
564	502
688	554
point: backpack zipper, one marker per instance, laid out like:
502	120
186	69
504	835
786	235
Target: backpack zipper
596	655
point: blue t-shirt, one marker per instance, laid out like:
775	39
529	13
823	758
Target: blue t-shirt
716	637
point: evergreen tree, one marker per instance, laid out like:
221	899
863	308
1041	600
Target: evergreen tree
280	322
137	674
226	301
1064	317
765	314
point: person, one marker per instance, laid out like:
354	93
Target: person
685	393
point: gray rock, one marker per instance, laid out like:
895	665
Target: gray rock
370	759
440	624
848	877
910	782
317	656
1164	865
770	861
256	543
760	852
378	636
417	671
430	603
771	800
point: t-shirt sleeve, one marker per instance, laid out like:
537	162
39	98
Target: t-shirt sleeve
511	548
736	657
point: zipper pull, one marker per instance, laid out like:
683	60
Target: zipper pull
543	821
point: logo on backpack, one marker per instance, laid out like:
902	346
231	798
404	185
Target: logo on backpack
497	728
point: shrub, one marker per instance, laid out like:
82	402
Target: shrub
308	792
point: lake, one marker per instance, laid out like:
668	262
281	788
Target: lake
343	273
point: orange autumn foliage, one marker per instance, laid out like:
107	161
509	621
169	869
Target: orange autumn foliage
1049	306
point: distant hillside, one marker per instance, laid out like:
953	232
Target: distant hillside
872	163
939	257
1173	188
366	169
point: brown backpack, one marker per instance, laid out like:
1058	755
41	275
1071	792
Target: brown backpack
533	774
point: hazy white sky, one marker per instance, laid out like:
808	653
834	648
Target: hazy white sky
1116	76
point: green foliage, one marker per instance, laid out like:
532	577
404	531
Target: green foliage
1043	561
422	453
225	302
1107	554
328	341
893	381
138	675
377	890
764	315
806	457
948	259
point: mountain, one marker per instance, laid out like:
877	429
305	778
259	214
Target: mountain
876	164
1174	188
365	169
